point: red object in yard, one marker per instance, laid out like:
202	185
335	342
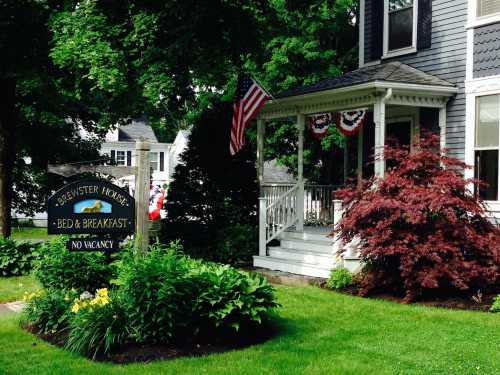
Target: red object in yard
156	199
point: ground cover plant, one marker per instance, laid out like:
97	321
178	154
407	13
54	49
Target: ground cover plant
421	230
159	298
16	257
320	332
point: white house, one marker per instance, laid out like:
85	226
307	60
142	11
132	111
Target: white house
120	146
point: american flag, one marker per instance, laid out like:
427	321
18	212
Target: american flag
250	97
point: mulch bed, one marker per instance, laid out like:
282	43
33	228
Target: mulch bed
458	302
134	352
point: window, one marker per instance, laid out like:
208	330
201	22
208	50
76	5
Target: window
487	7
486	145
400	26
153	160
120	158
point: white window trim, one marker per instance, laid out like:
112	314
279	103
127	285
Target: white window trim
124	157
157	161
474	21
473	91
361	50
402	51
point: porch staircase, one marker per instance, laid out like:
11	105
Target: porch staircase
310	253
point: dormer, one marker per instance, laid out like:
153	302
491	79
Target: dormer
391	28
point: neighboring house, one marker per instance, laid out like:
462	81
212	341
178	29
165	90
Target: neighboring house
120	146
423	65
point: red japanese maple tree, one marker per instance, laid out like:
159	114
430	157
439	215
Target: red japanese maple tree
420	227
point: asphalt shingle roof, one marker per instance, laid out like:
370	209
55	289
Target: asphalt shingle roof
391	72
135	130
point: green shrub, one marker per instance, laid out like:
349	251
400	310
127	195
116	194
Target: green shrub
495	307
339	278
49	311
97	325
235	244
168	296
16	258
60	268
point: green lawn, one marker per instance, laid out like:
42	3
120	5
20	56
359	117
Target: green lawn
30	233
321	333
13	288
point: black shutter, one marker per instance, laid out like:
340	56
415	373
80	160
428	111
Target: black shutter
424	26
129	158
162	161
113	155
377	18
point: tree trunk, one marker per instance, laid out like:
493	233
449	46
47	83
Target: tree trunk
7	151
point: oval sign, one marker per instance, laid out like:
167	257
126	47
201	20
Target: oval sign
91	206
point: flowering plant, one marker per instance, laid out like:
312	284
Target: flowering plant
83	302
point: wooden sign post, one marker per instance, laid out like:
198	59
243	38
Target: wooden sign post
142	180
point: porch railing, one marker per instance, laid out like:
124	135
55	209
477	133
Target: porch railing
280	208
278	212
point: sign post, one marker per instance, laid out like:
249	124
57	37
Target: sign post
142	180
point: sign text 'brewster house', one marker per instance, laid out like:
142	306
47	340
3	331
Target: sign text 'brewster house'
91	206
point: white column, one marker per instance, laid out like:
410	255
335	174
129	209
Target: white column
260	152
262	227
300	172
379	119
142	178
442	127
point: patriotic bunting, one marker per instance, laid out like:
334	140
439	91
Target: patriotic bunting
319	124
349	122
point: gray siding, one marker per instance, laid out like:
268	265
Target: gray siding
446	60
368	31
486	51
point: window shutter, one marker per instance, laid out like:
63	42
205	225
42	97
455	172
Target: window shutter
113	158
129	158
162	161
377	32
424	26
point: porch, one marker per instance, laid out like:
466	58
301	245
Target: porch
402	102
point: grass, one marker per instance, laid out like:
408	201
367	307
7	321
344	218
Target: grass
321	332
13	288
30	233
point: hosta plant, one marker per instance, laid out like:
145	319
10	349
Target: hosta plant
421	229
339	278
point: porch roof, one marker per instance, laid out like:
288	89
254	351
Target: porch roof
363	87
390	72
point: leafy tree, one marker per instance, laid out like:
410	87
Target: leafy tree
420	229
213	195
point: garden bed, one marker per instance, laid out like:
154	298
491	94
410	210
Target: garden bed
134	352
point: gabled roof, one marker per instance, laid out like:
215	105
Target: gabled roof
389	72
135	130
276	173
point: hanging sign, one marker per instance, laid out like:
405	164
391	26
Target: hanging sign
93	244
91	206
349	122
319	124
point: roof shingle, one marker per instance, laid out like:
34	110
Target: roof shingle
390	72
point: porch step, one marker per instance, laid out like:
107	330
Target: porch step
304	256
309	245
292	266
307	236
